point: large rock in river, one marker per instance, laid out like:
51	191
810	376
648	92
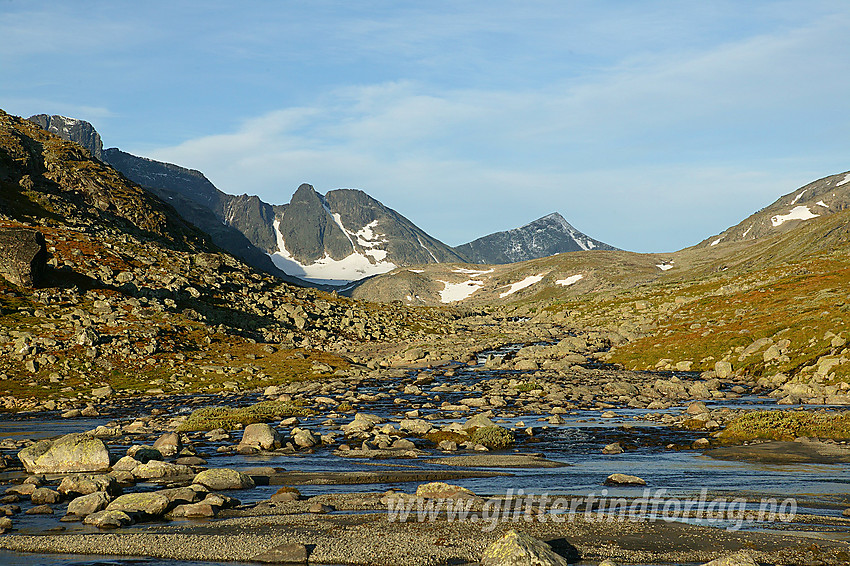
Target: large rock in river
68	454
742	558
519	549
224	478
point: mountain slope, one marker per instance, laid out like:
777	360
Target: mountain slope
544	237
819	198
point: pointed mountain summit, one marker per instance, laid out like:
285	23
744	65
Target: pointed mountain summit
544	237
346	235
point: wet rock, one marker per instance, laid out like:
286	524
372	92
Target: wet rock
742	558
144	454
260	436
107	519
70	453
224	478
5	524
518	549
624	479
614	448
85	505
40	510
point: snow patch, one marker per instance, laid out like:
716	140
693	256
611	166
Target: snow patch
796	198
717	241
327	270
747	231
459	291
417	270
471	271
796	213
845	181
571	280
821	203
418	239
519	285
667	265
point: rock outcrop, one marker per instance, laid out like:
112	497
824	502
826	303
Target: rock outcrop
23	256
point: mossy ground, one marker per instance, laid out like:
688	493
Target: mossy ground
210	418
787	425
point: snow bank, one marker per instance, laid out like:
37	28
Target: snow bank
459	291
571	280
796	213
665	266
519	285
327	270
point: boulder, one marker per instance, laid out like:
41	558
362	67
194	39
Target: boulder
261	436
305	438
157	469
84	484
219	479
23	256
742	558
85	505
624	479
478	421
284	554
193	510
519	549
151	503
441	490
107	519
68	454
45	495
723	369
168	444
614	448
362	422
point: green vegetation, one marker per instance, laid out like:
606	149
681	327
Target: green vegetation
209	418
440	436
787	425
494	437
528	386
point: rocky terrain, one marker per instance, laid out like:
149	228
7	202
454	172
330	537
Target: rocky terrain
159	378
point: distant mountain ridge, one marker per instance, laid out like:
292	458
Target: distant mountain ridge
341	236
544	237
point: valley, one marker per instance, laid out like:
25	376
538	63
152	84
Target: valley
225	410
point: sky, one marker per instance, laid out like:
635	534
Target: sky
648	125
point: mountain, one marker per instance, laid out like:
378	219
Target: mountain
241	225
346	235
544	237
820	198
331	239
78	131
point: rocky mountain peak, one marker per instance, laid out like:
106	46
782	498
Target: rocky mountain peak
72	129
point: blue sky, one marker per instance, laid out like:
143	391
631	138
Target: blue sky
648	125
